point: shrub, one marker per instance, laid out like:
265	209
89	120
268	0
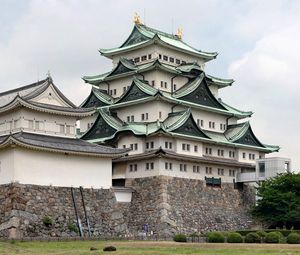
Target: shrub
73	228
216	237
234	238
274	237
180	238
293	238
261	233
252	238
109	248
47	221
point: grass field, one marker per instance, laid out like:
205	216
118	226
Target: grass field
143	247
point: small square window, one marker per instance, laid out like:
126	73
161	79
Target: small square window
136	60
144	58
171	60
149	56
177	61
153	83
166	58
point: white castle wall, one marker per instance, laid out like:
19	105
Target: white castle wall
25	119
44	168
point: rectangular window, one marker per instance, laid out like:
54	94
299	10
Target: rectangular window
152	145
162	84
170	145
166	165
124	146
153	83
188	147
68	129
130	168
196	169
170	166
183	147
30	124
124	89
135	167
221	153
132	118
136	60
146	115
151	165
143	116
221	126
174	87
213	125
131	146
135	146
62	128
195	148
128	118
171	60
147	166
147	146
37	125
115	91
149	56
166	84
166	58
144	58
183	62
166	145
159	56
208	170
220	171
177	61
159	115
244	155
208	151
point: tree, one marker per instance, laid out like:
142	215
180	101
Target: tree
279	203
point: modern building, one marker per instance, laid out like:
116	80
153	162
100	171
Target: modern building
38	143
159	102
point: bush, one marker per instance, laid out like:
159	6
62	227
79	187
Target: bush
109	248
47	221
234	238
73	228
216	237
261	233
252	238
293	238
274	237
180	238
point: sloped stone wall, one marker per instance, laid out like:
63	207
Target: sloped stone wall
23	208
168	205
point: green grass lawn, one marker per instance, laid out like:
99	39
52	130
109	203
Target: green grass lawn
143	247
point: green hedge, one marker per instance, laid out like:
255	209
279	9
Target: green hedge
234	238
284	232
293	238
216	237
252	238
274	237
180	238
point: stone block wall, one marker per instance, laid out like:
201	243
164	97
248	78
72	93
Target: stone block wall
168	205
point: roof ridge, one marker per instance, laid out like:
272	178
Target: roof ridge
157	31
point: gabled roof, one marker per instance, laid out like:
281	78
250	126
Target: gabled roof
126	67
24	96
59	145
142	35
197	91
97	98
179	124
188	95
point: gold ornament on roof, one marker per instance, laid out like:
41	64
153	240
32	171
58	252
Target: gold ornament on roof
179	33
137	19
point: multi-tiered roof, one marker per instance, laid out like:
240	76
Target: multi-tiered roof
195	94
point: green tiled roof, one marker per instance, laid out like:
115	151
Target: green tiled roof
97	98
142	35
180	124
126	67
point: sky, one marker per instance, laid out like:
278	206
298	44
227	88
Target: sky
258	44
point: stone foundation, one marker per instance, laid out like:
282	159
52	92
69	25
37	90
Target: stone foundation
168	205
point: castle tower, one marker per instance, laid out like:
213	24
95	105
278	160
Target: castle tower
158	101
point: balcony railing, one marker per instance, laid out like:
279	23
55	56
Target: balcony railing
250	177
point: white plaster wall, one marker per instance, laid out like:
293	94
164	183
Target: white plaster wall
152	108
131	139
49	96
43	168
117	84
192	144
48	123
247	151
159	169
7	165
87	121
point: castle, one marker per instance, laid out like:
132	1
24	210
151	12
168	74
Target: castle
156	146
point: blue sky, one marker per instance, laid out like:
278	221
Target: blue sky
258	44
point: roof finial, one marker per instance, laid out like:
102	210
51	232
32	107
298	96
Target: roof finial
49	75
179	33
137	19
